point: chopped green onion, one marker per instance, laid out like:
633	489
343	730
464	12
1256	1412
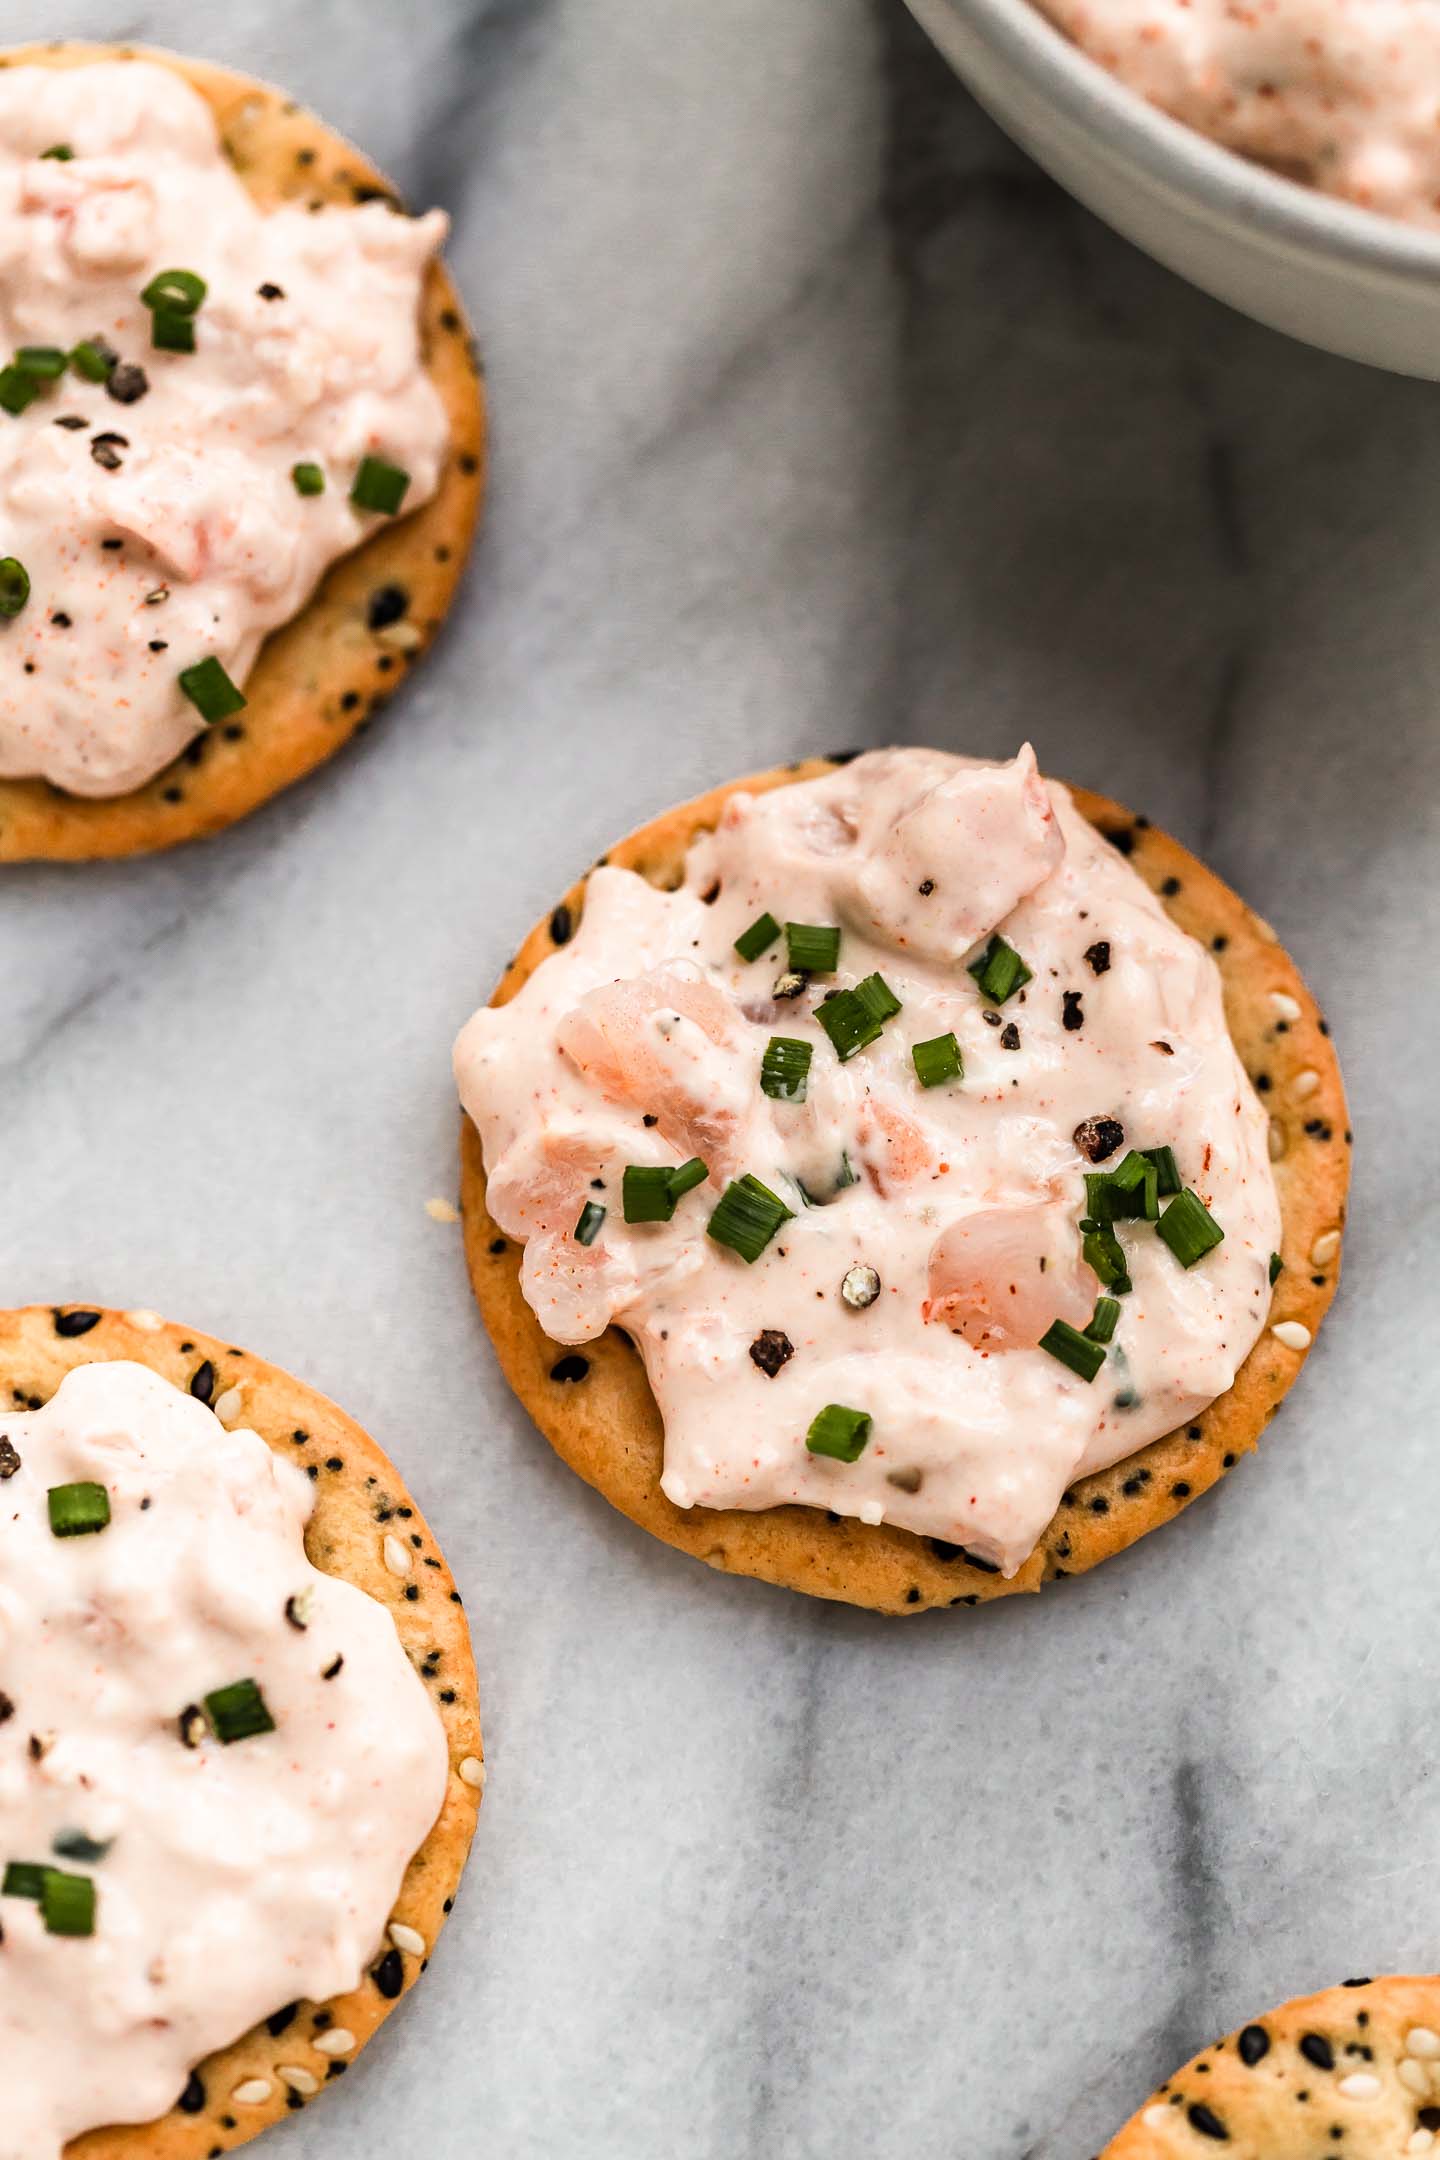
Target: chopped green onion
785	1068
23	1878
76	1510
211	691
44	362
839	1433
1101	1197
308	479
1189	1229
853	1019
88	360
1105	1254
760	936
1277	1266
812	948
67	1903
238	1712
17	389
60	151
1073	1349
1166	1168
937	1061
170	331
592	1215
1104	1320
999	971
378	485
1138	1179
649	1191
746	1217
14	585
688	1176
174	292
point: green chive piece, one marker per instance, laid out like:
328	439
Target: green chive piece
1166	1169
88	360
14	585
785	1068
839	1433
24	1878
812	948
1189	1229
649	1192
592	1215
308	479
174	292
67	1903
60	151
1138	1180
999	971
1277	1268
17	389
1073	1349
853	1019
44	362
379	485
1105	1254
238	1712
688	1176
76	1510
172	332
937	1061
746	1217
1101	1198
1104	1320
211	691
760	936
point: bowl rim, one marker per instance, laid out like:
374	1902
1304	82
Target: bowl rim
1180	160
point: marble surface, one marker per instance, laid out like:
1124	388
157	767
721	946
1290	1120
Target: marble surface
820	419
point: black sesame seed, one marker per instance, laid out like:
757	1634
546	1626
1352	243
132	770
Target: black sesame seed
280	2021
1099	1505
387	604
770	1350
268	291
72	420
202	1382
78	1322
1180	1490
192	2100
333	1668
1124	840
497	1245
1317	2049
1253	2045
562	925
1170	887
912	1596
1207	2122
105	448
572	1367
1365	1982
389	1975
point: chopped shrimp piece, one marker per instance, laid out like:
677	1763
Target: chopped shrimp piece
652	1043
894	1147
1001	1275
537	1193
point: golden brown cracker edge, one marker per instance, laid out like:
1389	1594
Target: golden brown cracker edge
359	1501
594	1404
1354	2070
320	678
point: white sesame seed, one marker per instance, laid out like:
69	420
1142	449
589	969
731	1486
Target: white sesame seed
1420	2141
253	2092
872	1513
1413	2077
145	1320
339	2040
472	1772
1155	2118
1323	1251
1266	930
1283	1005
441	1211
407	1938
1360	2085
1421	2041
1292	1334
301	2081
1304	1084
397	1556
1277	1140
402	636
227	1406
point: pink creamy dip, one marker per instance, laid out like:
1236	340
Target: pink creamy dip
1341	94
640	1041
199	495
238	1877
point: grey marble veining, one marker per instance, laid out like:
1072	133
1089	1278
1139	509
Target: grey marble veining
819	419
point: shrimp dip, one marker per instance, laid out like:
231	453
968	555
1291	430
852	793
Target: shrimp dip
906	1140
1340	95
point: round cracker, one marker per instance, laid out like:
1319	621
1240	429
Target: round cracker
359	1501
1354	2070
595	1407
319	678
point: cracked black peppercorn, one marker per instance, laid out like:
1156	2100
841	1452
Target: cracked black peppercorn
1010	1036
1098	1137
770	1350
1098	956
1071	1016
127	383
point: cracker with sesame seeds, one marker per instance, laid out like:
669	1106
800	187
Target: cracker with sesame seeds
319	678
595	1407
366	1529
1353	2070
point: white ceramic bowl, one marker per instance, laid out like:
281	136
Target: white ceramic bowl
1342	278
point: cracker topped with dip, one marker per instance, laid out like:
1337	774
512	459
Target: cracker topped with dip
239	1741
906	1133
240	446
